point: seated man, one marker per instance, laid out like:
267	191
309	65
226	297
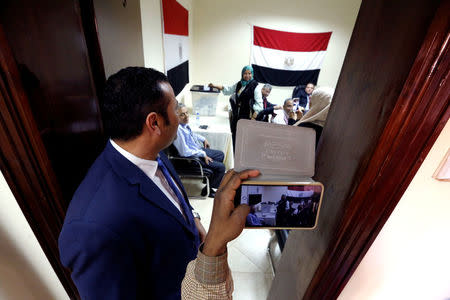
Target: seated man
252	219
267	107
288	117
303	93
188	145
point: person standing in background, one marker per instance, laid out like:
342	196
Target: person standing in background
242	100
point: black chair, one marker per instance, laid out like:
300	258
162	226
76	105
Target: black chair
188	167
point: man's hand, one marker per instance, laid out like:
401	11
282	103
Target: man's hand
208	159
300	113
227	222
201	229
291	115
277	107
206	144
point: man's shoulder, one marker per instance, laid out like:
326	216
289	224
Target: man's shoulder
299	91
100	186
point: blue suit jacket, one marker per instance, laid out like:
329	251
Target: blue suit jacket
122	238
299	92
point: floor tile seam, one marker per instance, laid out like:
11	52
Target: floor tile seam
261	271
266	254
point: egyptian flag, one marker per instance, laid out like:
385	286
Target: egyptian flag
287	58
176	44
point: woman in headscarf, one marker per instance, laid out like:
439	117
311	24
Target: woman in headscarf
242	98
315	118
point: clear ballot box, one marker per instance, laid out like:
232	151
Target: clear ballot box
204	100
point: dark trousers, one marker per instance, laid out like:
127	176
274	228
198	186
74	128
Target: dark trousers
216	166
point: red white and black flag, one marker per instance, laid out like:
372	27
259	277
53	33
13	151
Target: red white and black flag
176	44
284	58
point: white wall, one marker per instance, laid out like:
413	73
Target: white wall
223	33
25	272
120	34
152	38
410	258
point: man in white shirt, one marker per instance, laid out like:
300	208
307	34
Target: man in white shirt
288	116
129	231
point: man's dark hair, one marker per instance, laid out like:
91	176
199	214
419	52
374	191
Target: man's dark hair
129	96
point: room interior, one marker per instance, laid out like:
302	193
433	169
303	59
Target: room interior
389	108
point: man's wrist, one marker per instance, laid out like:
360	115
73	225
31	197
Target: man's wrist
196	214
213	248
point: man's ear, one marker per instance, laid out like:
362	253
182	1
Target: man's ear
151	123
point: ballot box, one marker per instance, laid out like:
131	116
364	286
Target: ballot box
204	100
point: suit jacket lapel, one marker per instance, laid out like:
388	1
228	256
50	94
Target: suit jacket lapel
147	188
150	191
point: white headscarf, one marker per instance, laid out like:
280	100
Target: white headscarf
319	104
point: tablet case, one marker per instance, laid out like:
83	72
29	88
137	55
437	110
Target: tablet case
280	152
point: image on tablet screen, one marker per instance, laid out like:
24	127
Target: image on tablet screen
281	206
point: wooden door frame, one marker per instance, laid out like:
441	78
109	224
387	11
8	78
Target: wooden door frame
420	114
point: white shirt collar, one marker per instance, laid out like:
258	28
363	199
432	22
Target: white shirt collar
147	166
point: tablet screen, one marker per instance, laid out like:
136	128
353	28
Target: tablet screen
293	206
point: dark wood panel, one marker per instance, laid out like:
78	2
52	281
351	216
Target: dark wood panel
420	113
25	164
49	45
90	28
59	71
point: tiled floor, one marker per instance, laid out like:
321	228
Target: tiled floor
247	256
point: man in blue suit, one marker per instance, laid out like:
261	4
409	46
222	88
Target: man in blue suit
303	93
129	232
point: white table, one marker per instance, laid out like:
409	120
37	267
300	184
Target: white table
218	135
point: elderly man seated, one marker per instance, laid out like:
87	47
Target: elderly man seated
188	145
288	115
265	107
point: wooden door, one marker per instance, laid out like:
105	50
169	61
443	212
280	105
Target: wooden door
48	42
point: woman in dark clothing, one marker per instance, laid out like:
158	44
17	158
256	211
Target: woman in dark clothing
242	98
